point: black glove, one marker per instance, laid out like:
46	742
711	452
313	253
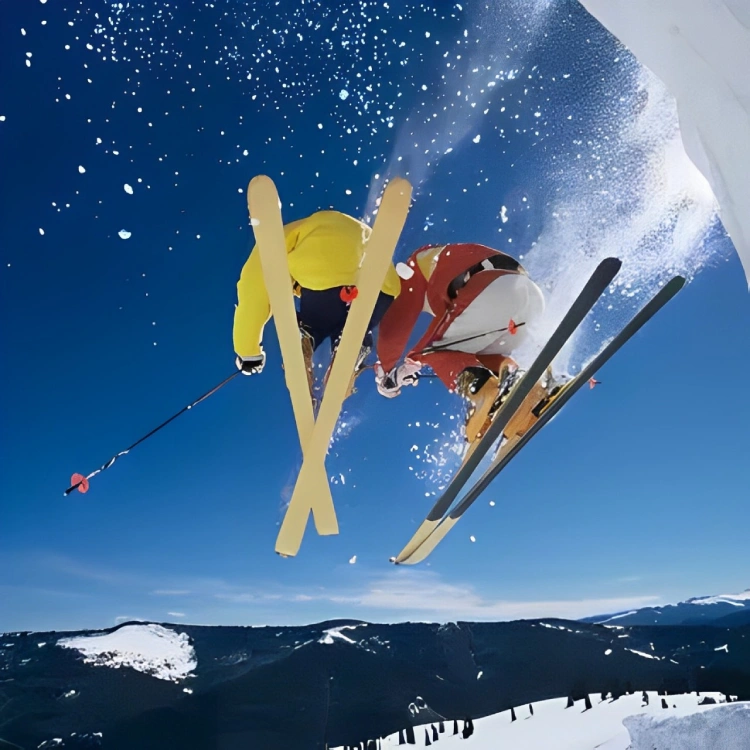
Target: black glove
251	365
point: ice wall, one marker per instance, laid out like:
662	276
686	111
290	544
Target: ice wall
700	49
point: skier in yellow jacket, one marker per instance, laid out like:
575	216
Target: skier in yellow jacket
324	252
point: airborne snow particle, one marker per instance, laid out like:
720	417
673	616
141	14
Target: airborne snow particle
343	94
81	169
255	222
477	139
504	214
608	652
473	538
124	234
352	560
320	126
404	271
492	503
41	231
348	192
2	118
128	189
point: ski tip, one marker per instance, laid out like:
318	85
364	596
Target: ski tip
260	179
593	382
79	482
512	327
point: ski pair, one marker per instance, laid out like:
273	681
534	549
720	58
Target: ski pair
440	520
312	492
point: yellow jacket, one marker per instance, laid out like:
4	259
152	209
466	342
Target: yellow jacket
324	251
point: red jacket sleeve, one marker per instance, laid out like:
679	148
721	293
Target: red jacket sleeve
402	316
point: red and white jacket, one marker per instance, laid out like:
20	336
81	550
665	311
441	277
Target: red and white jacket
434	268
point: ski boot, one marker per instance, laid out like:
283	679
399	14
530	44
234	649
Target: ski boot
308	348
544	393
486	393
359	368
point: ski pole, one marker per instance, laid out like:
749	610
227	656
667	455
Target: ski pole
81	483
512	327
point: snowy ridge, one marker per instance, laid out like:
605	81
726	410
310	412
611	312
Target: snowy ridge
622	724
703	609
734	599
332	633
151	649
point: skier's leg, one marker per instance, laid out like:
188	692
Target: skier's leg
381	306
321	315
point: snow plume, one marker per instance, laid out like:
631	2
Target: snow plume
625	188
473	68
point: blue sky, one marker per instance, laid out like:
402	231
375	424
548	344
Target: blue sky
636	494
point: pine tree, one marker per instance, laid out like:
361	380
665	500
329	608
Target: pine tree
401	740
571	702
588	702
426	738
435	737
512	714
410	739
455	726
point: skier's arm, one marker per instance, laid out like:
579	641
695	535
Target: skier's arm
253	308
402	315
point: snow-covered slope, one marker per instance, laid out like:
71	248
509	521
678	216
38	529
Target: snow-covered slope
704	610
152	649
700	49
726	727
604	725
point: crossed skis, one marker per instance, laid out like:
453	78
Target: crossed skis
312	492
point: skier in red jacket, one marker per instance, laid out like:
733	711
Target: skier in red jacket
483	303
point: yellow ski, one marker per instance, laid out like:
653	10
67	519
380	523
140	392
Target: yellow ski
265	215
312	482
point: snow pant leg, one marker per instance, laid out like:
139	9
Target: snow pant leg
448	365
322	313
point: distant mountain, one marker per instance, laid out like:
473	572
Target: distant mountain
154	686
704	610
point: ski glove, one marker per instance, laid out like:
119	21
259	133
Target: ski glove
251	365
390	384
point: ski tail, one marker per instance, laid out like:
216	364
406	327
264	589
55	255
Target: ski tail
602	276
656	303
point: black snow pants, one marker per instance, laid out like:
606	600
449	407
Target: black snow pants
323	315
